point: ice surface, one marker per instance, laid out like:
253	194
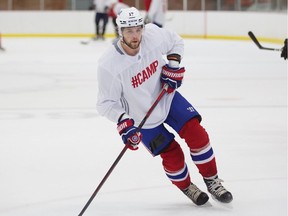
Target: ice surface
55	149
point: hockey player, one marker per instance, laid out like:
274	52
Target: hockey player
114	10
156	11
284	50
101	14
130	76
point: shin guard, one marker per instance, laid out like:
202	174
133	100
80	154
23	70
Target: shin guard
201	151
175	167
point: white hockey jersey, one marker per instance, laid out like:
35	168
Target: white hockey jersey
101	5
131	84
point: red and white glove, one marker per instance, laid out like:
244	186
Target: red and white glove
128	133
172	76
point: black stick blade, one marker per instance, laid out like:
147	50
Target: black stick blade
254	39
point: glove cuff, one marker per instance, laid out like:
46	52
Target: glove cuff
174	74
124	124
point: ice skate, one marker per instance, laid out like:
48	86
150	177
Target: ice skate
218	191
196	195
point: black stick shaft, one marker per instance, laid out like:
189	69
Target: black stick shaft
104	180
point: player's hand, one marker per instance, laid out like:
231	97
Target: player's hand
172	76
127	131
284	50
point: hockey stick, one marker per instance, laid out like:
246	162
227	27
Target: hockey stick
87	41
163	91
254	39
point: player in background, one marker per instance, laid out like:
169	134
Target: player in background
1	48
101	17
114	9
131	74
156	11
284	50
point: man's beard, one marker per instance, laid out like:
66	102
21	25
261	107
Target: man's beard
132	45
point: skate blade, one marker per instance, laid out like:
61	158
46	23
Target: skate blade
222	204
207	204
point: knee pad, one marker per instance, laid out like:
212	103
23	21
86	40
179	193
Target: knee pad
195	135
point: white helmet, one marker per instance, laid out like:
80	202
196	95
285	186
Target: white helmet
129	17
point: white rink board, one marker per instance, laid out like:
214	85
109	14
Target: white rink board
193	23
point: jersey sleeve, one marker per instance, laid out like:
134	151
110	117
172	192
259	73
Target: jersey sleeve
109	95
170	42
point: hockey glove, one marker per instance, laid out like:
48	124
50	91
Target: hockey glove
127	131
172	76
284	50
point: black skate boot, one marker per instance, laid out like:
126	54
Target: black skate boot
217	190
196	195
